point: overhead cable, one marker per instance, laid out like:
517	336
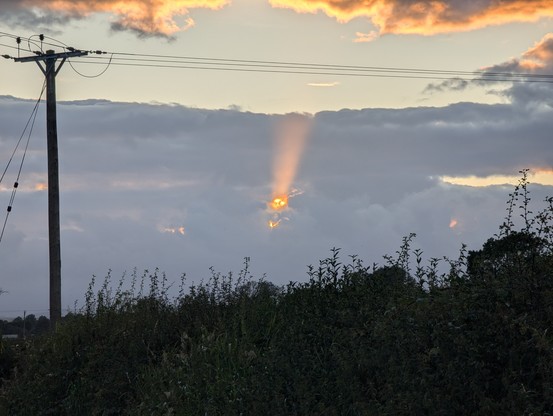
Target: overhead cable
160	61
29	130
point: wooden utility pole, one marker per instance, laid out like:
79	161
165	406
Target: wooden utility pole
47	64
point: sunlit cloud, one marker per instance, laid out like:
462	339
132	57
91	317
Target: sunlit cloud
453	223
276	220
323	84
173	230
25	187
145	17
542	50
538	176
538	58
366	37
426	17
274	223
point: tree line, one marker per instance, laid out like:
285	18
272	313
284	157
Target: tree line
28	325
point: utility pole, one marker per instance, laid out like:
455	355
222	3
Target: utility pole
47	64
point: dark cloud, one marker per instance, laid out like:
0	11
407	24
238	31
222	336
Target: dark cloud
22	13
131	173
453	84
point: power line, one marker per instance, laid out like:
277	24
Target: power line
287	64
29	129
129	59
91	76
518	78
68	48
29	40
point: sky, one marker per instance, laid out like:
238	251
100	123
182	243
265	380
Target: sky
178	168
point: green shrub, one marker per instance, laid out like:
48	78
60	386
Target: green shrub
352	340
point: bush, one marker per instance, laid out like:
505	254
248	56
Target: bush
353	340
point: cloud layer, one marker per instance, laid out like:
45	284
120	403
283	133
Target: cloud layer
426	17
184	189
144	17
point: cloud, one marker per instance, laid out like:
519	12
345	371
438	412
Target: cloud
426	17
453	84
323	84
366	37
144	17
538	59
531	72
184	189
539	176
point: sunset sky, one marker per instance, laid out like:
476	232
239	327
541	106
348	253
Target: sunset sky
465	36
176	167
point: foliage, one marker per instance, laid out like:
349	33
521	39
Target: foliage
27	326
398	339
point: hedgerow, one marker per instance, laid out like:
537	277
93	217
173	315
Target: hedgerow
396	339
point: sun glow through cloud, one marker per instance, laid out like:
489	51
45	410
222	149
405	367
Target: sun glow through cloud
279	203
274	224
290	139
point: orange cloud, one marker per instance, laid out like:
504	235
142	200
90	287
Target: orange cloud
540	55
426	17
366	37
537	59
145	17
41	186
